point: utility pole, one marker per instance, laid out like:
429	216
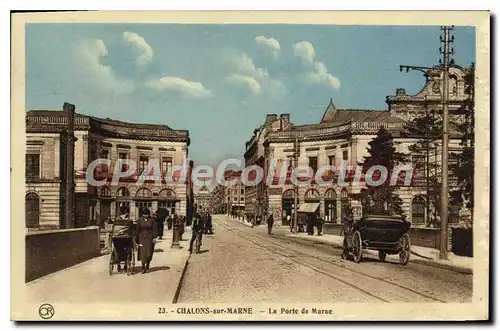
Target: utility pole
70	161
296	153
446	39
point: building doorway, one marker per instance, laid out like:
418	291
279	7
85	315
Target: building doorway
32	210
105	204
287	207
418	210
144	198
167	200
344	204
330	206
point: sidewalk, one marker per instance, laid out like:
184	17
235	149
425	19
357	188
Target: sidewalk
90	281
422	255
244	222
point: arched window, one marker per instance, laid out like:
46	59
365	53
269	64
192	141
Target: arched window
105	192
418	210
288	194
312	194
166	194
330	194
123	192
144	193
32	210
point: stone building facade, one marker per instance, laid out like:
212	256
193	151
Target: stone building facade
106	139
341	138
203	199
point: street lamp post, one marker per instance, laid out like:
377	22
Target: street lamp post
446	39
296	187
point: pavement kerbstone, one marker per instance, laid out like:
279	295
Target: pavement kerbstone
337	241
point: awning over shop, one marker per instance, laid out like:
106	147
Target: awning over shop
308	207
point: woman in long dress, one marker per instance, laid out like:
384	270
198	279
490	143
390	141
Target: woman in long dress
146	237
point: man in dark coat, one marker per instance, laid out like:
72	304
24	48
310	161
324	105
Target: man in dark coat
197	228
270	222
146	238
161	215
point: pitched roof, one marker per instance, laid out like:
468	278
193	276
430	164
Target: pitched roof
334	115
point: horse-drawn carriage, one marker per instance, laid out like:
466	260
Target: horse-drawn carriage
383	233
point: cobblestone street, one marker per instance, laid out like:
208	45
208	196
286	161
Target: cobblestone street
243	264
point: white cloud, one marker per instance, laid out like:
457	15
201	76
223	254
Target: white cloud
189	88
320	75
141	44
249	81
256	79
272	43
103	77
304	50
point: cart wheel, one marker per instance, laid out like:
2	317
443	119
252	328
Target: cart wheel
404	254
357	246
382	255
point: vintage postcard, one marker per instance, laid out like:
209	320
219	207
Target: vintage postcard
252	166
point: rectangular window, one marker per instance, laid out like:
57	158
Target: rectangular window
290	162
166	165
242	191
32	166
105	154
313	163
331	160
123	156
143	162
345	155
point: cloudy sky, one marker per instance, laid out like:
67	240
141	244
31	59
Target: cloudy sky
219	81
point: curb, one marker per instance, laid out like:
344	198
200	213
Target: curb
181	280
429	262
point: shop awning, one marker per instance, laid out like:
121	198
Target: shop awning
308	207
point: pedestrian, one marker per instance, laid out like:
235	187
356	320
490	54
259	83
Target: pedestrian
310	225
210	226
146	238
169	222
196	230
270	221
319	224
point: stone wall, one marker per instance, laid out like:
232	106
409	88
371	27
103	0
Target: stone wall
50	251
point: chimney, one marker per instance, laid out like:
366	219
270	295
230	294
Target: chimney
69	219
285	117
271	118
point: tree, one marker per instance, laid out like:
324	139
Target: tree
463	169
424	158
381	199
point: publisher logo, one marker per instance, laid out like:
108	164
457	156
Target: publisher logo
46	311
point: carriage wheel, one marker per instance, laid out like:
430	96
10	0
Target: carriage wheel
404	254
111	262
357	246
382	255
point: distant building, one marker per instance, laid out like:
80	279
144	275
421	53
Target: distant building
342	137
203	199
100	138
